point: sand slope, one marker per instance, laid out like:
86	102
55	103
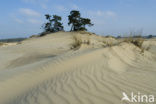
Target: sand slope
47	71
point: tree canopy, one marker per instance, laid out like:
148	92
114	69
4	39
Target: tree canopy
77	22
53	24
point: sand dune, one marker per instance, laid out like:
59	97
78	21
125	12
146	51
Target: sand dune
47	70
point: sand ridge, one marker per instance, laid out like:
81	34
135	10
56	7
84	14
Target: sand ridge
50	72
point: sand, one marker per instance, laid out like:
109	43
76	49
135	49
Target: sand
47	70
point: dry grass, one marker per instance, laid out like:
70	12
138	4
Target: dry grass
148	48
85	32
108	43
109	36
1	43
136	41
135	37
78	41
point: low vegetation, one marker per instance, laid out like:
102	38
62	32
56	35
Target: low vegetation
78	42
136	38
1	43
136	41
107	43
85	32
12	40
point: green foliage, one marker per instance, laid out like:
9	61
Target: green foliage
78	23
53	24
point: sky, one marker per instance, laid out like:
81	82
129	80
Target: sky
23	18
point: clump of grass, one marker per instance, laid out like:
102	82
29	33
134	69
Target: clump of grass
136	41
85	32
148	48
77	41
87	42
135	37
1	43
109	36
107	43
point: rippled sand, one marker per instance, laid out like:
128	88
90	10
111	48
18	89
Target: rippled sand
47	70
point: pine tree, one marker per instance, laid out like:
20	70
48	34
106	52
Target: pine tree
53	24
78	23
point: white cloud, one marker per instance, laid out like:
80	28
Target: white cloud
111	13
60	8
41	3
101	18
15	18
26	15
18	20
95	13
29	12
34	21
34	1
74	6
102	13
29	1
44	6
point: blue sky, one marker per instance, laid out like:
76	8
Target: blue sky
22	18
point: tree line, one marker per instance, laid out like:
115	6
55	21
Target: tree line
75	20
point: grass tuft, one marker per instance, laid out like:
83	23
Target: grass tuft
77	41
136	41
